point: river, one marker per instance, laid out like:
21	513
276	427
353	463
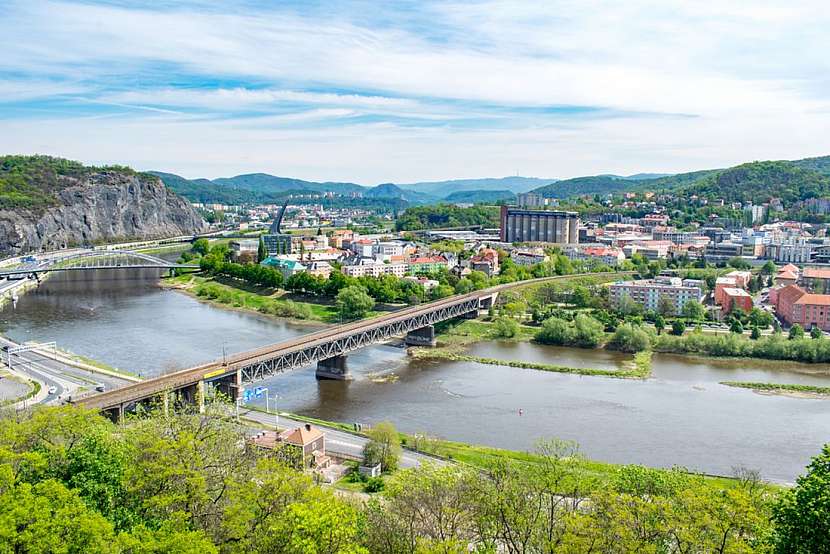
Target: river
681	416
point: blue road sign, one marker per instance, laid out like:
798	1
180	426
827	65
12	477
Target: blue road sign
258	391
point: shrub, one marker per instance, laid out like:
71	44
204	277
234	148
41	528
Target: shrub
678	327
630	338
555	331
505	327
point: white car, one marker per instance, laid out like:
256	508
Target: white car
53	390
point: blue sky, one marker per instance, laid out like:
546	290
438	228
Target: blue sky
405	91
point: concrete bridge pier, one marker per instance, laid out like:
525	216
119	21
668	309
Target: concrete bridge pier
425	336
229	385
334	368
194	395
114	414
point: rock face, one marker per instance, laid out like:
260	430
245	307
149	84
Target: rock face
102	206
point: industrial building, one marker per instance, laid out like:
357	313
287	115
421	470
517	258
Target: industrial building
520	225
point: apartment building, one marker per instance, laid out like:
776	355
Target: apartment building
648	292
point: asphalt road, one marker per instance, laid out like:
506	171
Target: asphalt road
66	379
338	441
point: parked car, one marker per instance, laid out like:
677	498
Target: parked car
53	390
100	388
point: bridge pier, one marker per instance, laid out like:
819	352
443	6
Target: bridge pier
335	368
229	385
194	394
115	413
425	336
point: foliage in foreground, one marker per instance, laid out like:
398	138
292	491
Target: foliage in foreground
71	481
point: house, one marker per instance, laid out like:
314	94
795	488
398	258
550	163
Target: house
742	278
722	283
319	268
815	279
608	255
309	443
486	261
528	257
736	298
795	305
285	266
427	264
373	268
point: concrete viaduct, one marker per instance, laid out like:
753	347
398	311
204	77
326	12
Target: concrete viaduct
328	348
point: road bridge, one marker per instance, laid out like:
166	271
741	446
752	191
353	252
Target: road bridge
90	260
328	348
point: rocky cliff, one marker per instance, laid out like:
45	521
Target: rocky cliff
93	206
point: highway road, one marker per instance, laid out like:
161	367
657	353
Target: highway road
337	441
67	380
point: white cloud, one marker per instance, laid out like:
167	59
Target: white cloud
751	75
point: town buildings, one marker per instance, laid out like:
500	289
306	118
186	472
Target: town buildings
607	255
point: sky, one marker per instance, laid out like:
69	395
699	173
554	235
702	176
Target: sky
372	92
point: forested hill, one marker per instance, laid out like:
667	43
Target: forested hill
447	216
761	181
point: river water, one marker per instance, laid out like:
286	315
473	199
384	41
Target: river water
681	416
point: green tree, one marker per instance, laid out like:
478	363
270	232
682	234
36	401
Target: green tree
588	332
353	302
47	517
665	306
755	334
505	327
769	268
802	516
384	446
796	332
630	338
261	252
736	327
815	332
659	323
555	331
201	246
694	310
678	327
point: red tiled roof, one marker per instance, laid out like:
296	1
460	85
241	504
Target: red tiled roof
790	294
814	300
302	436
816	273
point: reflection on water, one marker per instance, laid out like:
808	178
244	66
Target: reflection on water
681	416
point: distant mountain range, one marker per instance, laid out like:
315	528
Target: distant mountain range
805	177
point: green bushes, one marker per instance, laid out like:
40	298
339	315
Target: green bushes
774	347
505	328
630	338
584	331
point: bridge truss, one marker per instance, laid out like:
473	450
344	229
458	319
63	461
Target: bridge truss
306	355
98	259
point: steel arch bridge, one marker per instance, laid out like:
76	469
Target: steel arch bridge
95	259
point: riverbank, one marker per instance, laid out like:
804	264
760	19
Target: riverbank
480	456
272	302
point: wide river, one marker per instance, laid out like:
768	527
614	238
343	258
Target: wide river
681	416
